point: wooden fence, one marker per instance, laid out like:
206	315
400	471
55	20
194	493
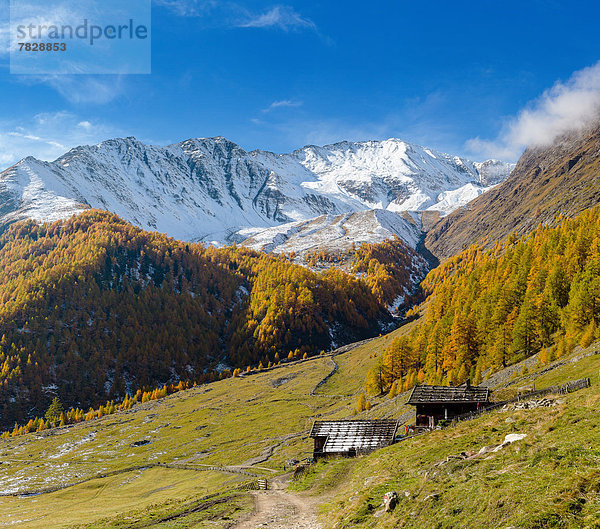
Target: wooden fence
569	387
576	385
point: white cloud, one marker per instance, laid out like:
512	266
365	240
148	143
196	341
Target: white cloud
565	107
190	8
282	17
235	15
47	136
286	103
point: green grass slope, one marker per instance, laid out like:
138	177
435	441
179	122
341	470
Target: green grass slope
551	478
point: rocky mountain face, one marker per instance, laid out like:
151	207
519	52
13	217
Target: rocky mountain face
212	190
562	179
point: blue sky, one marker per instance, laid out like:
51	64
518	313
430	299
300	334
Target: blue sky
456	76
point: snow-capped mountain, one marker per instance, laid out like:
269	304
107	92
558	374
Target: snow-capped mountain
210	189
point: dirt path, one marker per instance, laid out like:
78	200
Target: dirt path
279	509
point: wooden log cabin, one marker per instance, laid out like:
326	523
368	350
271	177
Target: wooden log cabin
437	403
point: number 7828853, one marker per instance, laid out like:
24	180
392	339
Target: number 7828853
42	46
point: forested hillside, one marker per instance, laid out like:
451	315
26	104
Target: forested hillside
93	307
490	308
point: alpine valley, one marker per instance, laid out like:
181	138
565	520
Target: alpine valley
84	289
173	319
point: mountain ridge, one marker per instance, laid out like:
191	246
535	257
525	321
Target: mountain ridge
547	182
210	188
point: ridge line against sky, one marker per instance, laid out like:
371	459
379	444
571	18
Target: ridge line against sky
472	79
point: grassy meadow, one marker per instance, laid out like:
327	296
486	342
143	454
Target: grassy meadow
161	455
184	461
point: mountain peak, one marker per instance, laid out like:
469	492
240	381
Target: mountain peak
210	188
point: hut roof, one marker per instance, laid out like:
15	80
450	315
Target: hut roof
343	436
447	395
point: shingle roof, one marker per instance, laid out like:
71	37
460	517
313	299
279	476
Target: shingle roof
343	436
444	394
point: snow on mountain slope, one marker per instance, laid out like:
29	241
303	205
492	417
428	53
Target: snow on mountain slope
209	189
389	174
334	233
450	200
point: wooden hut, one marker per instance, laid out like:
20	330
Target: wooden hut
349	438
436	403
